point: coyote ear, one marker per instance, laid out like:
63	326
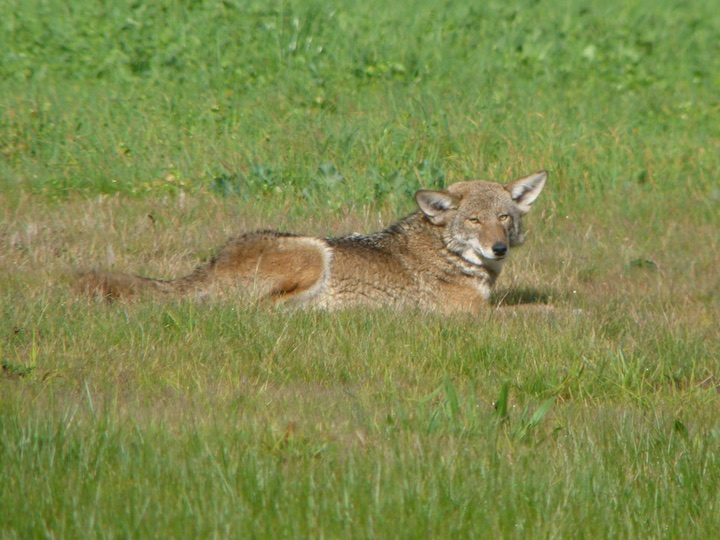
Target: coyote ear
436	205
525	190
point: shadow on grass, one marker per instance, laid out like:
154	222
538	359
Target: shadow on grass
516	297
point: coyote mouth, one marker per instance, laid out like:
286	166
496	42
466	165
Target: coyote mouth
494	258
478	257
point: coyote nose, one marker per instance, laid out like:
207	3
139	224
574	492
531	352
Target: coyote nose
499	249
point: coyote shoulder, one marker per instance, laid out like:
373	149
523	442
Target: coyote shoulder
444	257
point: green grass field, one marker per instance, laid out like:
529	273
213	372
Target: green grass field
139	136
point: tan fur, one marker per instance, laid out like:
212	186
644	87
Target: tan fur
444	257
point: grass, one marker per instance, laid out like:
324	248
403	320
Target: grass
139	136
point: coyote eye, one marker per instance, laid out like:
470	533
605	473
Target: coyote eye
473	220
503	217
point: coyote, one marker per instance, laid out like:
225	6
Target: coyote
443	257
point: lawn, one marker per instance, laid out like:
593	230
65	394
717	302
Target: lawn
139	136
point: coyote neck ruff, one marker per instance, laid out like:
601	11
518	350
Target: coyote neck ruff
444	257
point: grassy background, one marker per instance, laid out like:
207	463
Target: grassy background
140	135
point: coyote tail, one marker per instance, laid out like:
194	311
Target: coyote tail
113	286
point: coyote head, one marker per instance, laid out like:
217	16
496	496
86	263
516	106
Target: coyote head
482	220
